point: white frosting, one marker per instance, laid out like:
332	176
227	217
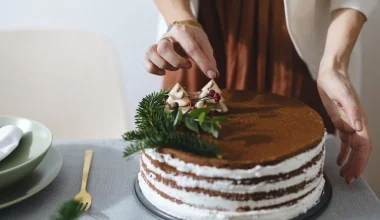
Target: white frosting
285	166
227	185
214	202
193	213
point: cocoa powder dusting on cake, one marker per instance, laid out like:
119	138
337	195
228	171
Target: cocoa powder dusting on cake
263	129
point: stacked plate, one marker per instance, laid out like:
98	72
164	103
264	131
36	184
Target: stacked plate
31	166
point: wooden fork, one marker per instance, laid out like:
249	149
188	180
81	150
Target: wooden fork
83	196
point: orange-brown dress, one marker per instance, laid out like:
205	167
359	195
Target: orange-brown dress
253	51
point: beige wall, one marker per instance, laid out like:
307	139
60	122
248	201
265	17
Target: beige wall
67	80
370	93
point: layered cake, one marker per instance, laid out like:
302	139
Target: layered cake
271	165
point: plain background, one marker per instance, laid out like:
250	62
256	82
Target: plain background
131	26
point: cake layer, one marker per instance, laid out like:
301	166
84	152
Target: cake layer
220	194
263	129
285	211
228	185
204	201
167	170
258	173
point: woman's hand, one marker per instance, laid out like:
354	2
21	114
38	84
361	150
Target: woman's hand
342	104
175	48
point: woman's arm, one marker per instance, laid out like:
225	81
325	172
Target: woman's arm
175	10
339	96
342	34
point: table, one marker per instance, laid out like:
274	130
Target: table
111	185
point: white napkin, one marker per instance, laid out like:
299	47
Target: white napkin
10	136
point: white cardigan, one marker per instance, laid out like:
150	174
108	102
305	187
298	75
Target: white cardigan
307	22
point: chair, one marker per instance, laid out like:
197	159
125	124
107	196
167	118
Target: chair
67	80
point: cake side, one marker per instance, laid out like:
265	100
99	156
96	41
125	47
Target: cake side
262	191
185	211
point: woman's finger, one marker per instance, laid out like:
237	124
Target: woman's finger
205	46
165	49
361	146
344	169
344	147
182	35
151	68
157	60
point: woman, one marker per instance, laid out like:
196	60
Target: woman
273	46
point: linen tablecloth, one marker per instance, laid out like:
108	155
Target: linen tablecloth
112	177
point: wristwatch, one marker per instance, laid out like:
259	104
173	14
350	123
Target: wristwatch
185	22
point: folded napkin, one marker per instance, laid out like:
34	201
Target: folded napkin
10	136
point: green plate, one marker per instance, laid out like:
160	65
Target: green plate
28	155
41	177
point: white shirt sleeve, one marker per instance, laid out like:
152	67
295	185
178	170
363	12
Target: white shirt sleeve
364	6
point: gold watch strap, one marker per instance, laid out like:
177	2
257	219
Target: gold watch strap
185	22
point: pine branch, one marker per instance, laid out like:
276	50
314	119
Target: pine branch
69	210
133	148
150	111
184	141
158	128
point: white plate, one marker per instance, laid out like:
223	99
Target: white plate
41	177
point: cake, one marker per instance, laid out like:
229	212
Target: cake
271	167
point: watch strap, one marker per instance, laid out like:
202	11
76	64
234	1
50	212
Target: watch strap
185	22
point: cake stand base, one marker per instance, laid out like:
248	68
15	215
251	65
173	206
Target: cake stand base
312	213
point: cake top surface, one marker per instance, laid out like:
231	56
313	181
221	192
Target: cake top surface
263	129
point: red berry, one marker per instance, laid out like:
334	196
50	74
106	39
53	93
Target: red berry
211	92
216	97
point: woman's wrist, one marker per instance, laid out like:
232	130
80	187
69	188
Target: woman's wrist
333	62
180	16
175	10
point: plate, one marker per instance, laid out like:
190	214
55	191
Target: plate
29	153
312	213
41	177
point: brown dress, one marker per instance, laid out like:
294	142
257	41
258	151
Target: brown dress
253	50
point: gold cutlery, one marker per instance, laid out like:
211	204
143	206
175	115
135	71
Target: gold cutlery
83	196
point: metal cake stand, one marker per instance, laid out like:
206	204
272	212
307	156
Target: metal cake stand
312	213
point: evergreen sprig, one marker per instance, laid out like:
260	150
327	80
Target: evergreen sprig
150	112
184	141
157	127
68	210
